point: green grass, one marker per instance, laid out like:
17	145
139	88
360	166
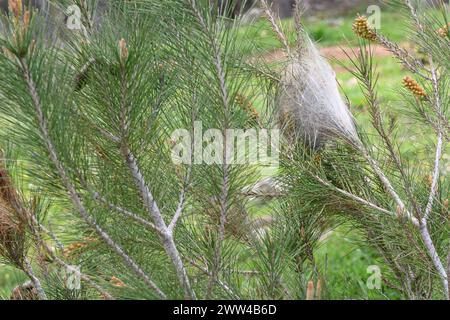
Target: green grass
324	31
346	261
9	278
390	73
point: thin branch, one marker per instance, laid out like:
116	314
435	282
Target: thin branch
75	198
424	226
107	135
181	203
414	15
358	199
448	271
276	28
83	74
435	257
388	186
298	13
369	79
221	283
225	167
55	258
36	282
436	128
256	194
435	179
146	195
101	199
127	213
153	209
408	61
49	233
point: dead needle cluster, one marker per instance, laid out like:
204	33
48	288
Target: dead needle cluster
443	32
21	20
12	222
15	6
123	50
116	282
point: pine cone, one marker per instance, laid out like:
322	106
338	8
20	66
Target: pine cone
362	29
247	106
414	87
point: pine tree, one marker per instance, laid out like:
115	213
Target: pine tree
90	189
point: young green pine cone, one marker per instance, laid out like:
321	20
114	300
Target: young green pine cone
414	87
362	29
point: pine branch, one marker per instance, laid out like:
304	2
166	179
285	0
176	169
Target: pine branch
34	222
220	72
275	27
153	209
36	282
129	214
434	257
422	223
408	61
221	283
298	13
75	198
414	15
123	103
103	201
354	197
424	229
437	106
149	201
388	186
368	78
48	232
181	203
